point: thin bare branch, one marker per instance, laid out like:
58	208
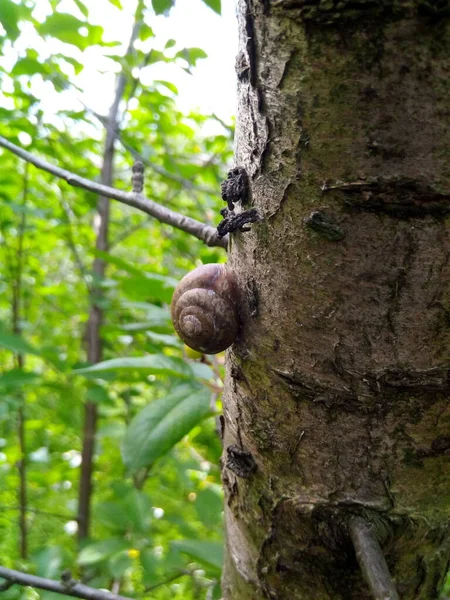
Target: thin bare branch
371	560
72	245
173	577
6	585
37	511
201	231
186	183
128	232
72	588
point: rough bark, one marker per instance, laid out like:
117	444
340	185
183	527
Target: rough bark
338	386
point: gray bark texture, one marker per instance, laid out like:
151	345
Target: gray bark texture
336	403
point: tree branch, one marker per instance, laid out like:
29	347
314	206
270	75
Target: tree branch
201	231
371	560
78	590
16	319
37	511
95	345
173	577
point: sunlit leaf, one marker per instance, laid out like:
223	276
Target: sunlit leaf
162	6
191	55
69	29
145	32
170	86
214	4
9	17
28	66
84	10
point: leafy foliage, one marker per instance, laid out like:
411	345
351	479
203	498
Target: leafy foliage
157	501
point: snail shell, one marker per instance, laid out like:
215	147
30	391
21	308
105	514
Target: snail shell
204	309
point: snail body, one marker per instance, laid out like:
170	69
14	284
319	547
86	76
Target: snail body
204	308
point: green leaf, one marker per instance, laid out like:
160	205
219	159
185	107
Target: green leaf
100	551
202	371
83	9
214	4
191	55
119	563
150	564
111	514
142	283
16	343
150	286
138	511
164	339
28	66
162	6
116	3
98	395
163	423
9	17
48	562
145	32
155	364
78	67
16	378
170	86
66	27
209	553
209	506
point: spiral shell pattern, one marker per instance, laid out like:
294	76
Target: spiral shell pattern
204	309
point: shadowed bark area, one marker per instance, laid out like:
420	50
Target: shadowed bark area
338	385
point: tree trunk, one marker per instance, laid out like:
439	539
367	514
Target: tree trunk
94	339
338	386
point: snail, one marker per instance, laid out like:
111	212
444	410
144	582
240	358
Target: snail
204	308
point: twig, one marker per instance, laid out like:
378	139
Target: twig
127	232
371	560
186	183
79	590
6	585
203	232
72	244
37	511
168	580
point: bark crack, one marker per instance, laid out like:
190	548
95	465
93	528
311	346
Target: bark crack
399	197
